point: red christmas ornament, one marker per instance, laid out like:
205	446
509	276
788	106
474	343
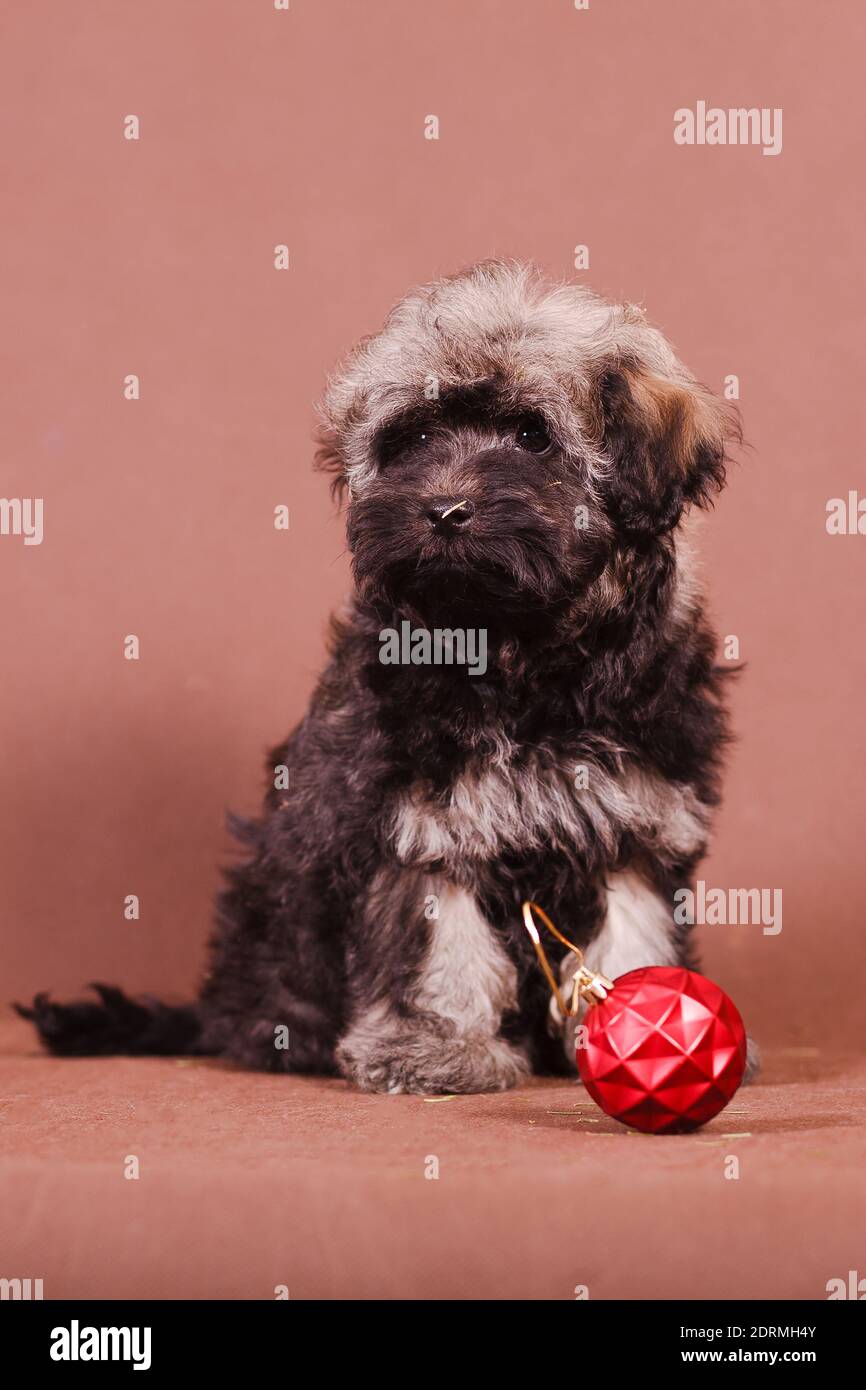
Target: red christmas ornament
664	1049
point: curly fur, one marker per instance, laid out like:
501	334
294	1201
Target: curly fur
376	915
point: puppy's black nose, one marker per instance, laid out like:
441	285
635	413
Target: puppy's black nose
450	515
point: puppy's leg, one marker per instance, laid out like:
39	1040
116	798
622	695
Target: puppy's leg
638	929
430	994
272	998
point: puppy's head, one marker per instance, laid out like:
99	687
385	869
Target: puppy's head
515	447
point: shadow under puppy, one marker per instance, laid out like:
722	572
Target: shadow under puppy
518	460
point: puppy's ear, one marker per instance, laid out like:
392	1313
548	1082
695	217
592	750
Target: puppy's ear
667	442
328	459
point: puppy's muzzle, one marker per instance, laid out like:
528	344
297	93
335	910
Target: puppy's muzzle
448	515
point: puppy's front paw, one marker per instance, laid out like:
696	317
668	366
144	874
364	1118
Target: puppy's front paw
753	1061
425	1063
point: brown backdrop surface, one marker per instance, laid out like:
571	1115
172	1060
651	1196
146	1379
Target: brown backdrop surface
155	257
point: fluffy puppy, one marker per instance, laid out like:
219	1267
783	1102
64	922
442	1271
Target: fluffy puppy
518	460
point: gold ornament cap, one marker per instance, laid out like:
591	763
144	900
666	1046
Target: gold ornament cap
588	985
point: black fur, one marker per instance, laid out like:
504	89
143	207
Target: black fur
589	662
117	1023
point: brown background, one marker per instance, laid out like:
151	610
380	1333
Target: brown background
155	257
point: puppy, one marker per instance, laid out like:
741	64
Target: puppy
519	461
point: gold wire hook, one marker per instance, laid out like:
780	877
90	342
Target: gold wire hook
587	984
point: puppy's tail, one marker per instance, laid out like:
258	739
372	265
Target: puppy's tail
116	1025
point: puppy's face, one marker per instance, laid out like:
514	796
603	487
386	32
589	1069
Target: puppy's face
474	502
506	447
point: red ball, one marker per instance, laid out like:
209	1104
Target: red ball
664	1052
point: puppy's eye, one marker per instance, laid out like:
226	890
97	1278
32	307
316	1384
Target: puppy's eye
531	434
404	438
